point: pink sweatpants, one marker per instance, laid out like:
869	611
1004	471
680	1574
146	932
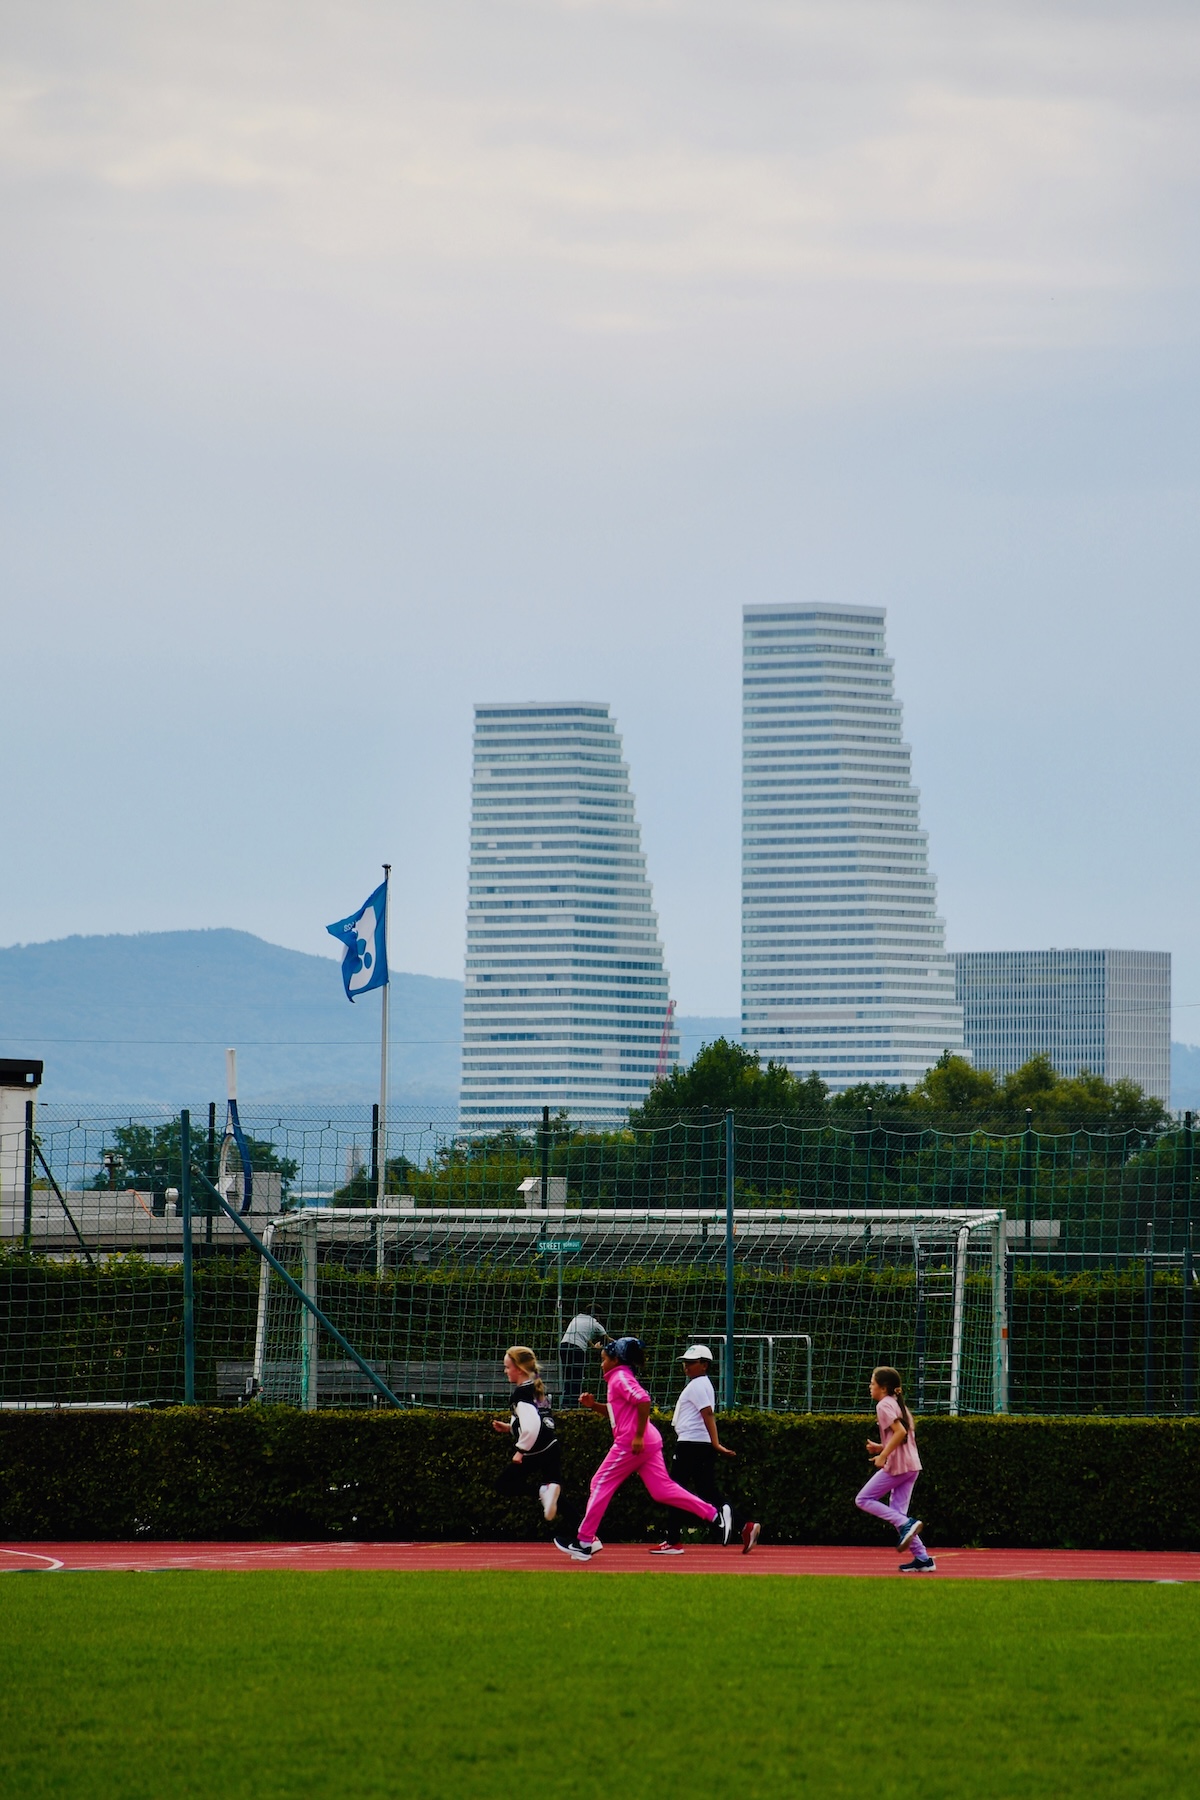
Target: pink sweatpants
618	1466
874	1499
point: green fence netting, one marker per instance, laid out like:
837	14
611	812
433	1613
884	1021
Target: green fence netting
1096	1267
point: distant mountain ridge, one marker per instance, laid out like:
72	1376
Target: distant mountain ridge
144	1020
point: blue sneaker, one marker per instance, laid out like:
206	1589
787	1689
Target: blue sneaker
920	1565
908	1532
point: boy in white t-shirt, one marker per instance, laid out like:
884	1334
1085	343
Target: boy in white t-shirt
698	1445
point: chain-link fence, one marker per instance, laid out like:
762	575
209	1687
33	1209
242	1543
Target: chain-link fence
1098	1271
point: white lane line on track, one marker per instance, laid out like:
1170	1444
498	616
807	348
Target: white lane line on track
52	1562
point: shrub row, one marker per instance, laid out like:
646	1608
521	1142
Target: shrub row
117	1333
270	1472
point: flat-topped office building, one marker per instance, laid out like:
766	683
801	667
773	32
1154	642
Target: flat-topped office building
844	966
1107	1011
565	998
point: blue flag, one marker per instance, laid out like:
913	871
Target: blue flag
364	934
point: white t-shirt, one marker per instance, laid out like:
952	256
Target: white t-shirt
582	1332
689	1426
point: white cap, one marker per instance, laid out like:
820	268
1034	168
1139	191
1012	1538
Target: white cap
697	1353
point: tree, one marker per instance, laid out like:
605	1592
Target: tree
954	1088
361	1188
1085	1100
146	1156
724	1075
954	1085
880	1096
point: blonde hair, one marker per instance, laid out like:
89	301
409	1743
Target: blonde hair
528	1364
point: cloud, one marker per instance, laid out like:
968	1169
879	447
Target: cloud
433	180
539	334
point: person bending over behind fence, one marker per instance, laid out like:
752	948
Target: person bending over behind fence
888	1494
582	1332
536	1461
636	1450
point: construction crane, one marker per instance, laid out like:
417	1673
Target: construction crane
664	1043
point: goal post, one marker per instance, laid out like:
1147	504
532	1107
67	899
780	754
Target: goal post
431	1298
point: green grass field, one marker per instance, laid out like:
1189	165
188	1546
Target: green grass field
624	1687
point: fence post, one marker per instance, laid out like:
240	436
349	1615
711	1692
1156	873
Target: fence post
189	1301
545	1181
310	1327
1148	1321
956	1321
919	1325
374	1154
705	1121
870	1147
1027	1148
730	1359
27	1223
1000	1314
1189	1357
210	1168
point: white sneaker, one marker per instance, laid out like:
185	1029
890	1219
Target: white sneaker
596	1545
666	1549
548	1495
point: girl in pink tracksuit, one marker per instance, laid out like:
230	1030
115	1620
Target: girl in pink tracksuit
636	1450
888	1494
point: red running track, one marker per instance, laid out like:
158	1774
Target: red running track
614	1559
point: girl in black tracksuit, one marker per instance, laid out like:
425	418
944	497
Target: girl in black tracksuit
536	1461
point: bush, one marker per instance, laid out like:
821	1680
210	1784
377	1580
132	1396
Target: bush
271	1472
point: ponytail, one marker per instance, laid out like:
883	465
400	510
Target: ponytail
528	1364
889	1380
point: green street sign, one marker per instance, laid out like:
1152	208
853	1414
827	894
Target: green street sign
558	1246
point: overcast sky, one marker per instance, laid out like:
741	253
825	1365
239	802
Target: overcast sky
365	359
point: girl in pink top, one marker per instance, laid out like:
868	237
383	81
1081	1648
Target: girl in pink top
636	1450
888	1494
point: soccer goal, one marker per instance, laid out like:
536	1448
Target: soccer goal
797	1307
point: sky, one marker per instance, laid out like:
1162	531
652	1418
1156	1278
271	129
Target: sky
363	360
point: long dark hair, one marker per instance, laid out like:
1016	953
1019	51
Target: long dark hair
889	1381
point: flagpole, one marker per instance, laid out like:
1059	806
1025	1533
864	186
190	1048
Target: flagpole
381	1175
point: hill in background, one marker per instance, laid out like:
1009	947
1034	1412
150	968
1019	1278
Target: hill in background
145	1020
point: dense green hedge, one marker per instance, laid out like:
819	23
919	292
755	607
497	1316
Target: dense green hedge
275	1473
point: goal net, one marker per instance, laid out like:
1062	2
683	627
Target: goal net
432	1298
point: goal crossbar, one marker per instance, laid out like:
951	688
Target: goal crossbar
430	1296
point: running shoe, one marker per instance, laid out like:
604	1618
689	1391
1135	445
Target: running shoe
908	1532
548	1495
725	1520
666	1549
575	1550
920	1565
750	1536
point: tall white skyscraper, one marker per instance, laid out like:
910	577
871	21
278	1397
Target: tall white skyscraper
844	967
566	993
